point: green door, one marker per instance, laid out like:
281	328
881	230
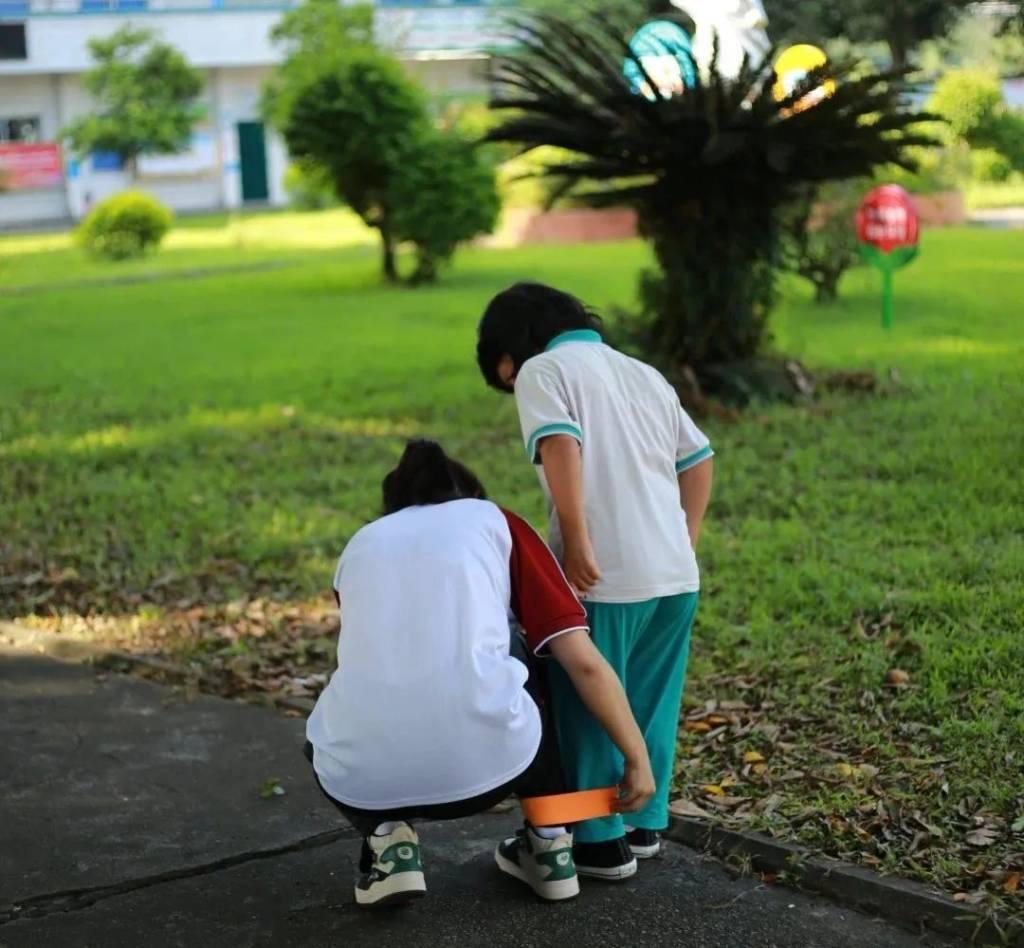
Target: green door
252	150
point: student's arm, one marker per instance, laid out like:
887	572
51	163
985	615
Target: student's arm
601	692
563	470
555	622
694	494
694	468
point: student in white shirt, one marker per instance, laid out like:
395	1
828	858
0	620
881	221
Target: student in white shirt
431	713
628	476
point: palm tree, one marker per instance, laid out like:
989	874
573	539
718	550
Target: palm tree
707	171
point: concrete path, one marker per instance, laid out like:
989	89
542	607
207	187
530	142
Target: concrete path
1002	218
132	816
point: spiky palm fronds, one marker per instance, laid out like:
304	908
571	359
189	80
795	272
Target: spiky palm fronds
707	170
564	86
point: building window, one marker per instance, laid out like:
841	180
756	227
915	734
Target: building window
25	129
12	40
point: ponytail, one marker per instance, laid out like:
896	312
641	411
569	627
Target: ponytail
426	475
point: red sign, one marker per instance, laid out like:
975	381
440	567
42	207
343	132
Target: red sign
888	219
27	167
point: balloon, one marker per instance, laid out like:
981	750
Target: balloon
792	67
663	48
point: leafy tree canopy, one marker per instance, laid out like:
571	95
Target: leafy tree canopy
145	93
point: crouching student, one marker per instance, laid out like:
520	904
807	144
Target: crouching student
431	715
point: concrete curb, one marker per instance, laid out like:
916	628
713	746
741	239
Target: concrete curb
911	905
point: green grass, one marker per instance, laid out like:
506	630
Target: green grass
207	242
185	459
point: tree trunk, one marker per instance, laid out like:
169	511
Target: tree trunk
826	288
389	264
426	269
709	303
899	37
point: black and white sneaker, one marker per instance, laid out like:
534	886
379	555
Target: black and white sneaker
644	844
611	860
545	865
390	869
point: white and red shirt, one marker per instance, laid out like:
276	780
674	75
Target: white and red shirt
427	704
635	439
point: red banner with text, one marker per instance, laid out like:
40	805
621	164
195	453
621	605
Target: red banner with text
26	167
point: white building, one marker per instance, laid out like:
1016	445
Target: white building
233	159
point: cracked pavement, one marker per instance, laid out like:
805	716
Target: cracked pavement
132	815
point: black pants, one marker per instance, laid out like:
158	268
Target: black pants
544	775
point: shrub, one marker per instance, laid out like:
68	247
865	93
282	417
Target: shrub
990	166
971	101
1009	138
446	194
819	241
309	186
126	225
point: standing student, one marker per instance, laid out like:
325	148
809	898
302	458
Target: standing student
628	478
431	715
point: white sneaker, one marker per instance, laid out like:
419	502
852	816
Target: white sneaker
390	869
545	865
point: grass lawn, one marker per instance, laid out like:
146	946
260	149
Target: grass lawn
206	242
181	461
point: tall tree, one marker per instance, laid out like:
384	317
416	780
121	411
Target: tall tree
309	36
146	98
900	24
355	117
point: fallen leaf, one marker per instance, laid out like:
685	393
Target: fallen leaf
271	788
697	727
897	678
959	896
688	808
752	757
868	772
713	789
845	769
984	836
760	769
1012	882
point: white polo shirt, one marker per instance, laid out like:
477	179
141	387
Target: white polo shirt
636	439
427	704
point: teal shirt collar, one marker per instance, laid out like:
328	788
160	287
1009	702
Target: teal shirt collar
574	335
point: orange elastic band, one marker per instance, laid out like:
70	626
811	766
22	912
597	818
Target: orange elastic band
562	808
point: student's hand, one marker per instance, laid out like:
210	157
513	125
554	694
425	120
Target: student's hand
581	565
637	786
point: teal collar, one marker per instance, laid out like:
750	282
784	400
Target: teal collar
574	335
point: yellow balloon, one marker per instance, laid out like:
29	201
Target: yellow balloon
792	67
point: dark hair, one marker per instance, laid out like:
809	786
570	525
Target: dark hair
520	321
426	475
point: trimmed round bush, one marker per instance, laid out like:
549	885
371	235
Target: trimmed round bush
990	166
126	225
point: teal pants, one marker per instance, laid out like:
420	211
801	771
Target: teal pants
647	643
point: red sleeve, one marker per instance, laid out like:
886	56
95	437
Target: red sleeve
542	599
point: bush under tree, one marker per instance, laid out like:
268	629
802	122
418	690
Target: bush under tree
124	226
445	194
145	96
708	172
819	242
